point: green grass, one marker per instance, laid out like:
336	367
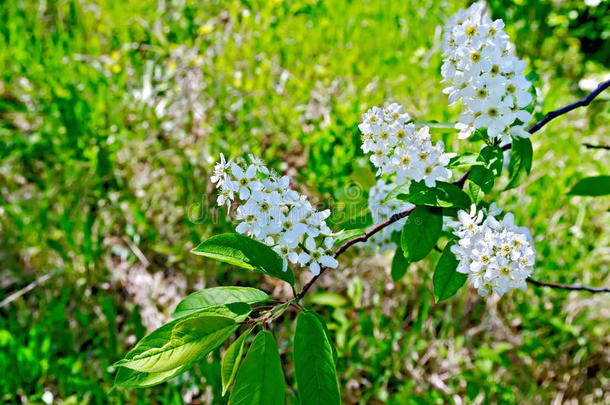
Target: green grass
87	173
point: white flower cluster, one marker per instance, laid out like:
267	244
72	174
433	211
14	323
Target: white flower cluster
270	212
382	211
496	255
397	148
480	70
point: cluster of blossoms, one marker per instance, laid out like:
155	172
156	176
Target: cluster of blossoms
397	148
496	255
270	212
381	211
482	73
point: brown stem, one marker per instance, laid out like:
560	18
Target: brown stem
362	238
583	102
568	286
591	146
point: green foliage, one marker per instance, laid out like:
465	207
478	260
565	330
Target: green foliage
442	195
260	380
128	378
399	265
83	179
446	279
466	159
179	343
592	186
482	177
218	296
314	366
232	359
421	232
245	252
521	155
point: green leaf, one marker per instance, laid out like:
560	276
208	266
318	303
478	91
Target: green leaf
399	265
260	380
401	189
212	297
327	298
446	279
450	195
349	234
238	311
178	343
420	233
245	252
443	195
128	378
521	156
592	186
326	331
314	367
482	178
465	160
231	360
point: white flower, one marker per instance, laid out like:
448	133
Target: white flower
480	71
496	255
248	214
270	212
220	170
397	148
382	210
245	180
318	255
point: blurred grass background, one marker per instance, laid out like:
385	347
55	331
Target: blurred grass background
113	112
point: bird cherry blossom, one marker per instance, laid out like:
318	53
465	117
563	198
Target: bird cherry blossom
270	212
496	254
481	72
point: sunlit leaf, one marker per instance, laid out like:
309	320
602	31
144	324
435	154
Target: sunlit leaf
421	232
442	195
128	378
232	359
260	379
520	164
314	366
399	265
212	297
481	178
179	343
446	279
245	252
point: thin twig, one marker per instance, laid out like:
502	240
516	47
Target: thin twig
568	286
362	238
262	308
583	102
460	183
591	146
